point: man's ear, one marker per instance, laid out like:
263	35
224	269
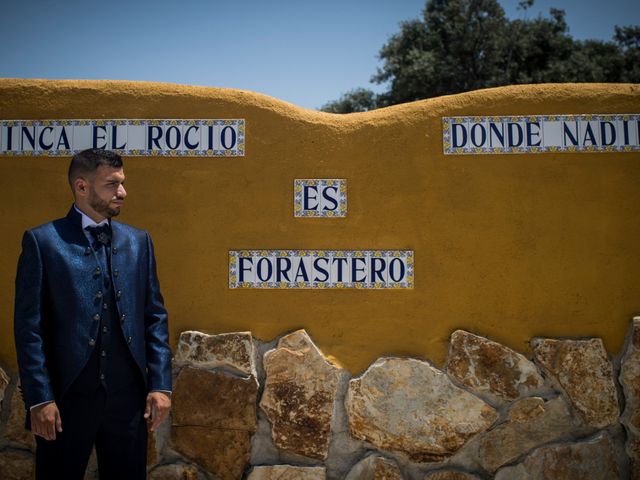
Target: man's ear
80	186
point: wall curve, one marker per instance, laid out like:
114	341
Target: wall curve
508	246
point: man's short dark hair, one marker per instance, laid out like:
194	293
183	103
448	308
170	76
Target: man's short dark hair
87	162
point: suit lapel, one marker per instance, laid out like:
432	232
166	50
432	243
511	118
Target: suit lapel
74	232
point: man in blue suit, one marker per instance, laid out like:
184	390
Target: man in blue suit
91	331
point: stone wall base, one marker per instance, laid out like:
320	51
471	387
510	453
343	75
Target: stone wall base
244	408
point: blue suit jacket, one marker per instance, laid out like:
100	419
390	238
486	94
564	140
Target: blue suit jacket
57	306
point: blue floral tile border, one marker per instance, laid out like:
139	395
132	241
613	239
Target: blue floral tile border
541	134
131	137
321	269
321	197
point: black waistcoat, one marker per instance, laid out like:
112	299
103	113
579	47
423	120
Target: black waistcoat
111	365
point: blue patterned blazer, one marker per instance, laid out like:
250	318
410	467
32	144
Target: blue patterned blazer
57	307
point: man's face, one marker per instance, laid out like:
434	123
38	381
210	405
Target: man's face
106	191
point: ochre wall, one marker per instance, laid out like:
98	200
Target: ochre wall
507	246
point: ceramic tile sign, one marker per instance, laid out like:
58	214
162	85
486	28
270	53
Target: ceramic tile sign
206	138
321	269
320	197
541	134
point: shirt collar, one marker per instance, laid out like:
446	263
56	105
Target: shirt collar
87	221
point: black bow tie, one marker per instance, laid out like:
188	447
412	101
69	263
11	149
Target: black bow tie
101	234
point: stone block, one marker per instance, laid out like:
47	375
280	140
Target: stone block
583	371
491	369
176	471
299	396
14	433
531	423
4	383
375	467
224	453
214	417
589	460
450	475
215	399
630	381
287	472
233	351
16	465
409	406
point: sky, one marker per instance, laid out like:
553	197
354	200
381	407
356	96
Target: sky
303	52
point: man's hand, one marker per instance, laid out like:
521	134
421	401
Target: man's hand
158	406
45	420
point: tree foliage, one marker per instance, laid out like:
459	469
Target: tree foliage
462	45
356	100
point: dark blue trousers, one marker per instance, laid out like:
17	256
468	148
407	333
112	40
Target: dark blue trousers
104	407
113	422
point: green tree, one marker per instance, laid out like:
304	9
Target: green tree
462	45
536	50
356	100
456	48
628	40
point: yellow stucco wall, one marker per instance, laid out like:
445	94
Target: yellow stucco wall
507	246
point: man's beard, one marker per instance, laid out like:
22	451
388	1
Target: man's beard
100	206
